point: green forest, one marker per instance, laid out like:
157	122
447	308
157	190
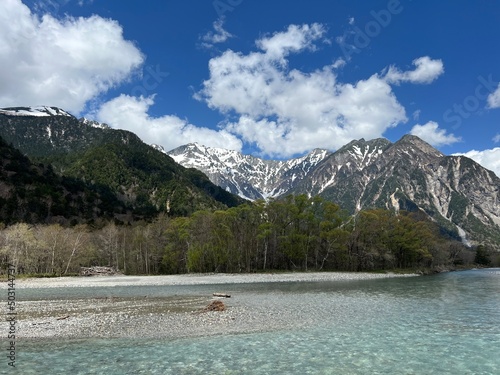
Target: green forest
293	234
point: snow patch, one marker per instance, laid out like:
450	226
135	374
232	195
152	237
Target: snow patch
463	237
40	111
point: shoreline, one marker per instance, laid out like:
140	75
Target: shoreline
174	316
200	279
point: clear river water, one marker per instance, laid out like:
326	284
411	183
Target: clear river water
441	324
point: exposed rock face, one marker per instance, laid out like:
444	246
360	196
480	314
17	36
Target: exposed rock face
461	195
245	175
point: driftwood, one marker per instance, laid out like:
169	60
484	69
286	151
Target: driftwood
63	317
223	295
97	271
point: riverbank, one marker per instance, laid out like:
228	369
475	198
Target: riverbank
200	279
175	316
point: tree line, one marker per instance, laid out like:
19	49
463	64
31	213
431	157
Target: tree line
295	233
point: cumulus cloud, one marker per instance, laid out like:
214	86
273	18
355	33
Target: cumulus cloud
219	35
62	62
426	70
284	111
496	138
131	113
489	159
494	98
432	134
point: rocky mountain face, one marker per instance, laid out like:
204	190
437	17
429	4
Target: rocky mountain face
459	194
245	175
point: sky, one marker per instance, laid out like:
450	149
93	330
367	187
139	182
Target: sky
275	79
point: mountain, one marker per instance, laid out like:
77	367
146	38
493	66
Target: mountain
459	194
143	178
247	176
33	193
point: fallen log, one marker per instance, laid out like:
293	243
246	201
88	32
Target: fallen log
63	317
97	271
223	295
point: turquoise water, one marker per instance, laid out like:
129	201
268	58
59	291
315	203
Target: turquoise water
442	324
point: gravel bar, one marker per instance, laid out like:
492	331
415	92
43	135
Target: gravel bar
199	279
174	316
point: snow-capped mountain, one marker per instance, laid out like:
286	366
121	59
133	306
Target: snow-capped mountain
456	192
459	194
41	111
245	175
135	180
43	130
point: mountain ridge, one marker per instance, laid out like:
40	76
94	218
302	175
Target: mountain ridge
142	177
245	175
409	174
454	191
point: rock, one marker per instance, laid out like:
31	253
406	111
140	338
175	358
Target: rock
215	306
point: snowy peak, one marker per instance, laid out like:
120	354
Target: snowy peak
406	175
41	111
360	153
158	148
94	124
351	158
245	175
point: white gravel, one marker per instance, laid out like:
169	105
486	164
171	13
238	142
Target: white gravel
173	316
198	279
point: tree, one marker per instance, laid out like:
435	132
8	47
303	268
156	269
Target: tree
77	239
54	239
482	256
333	235
177	246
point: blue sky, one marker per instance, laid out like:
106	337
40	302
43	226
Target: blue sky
272	78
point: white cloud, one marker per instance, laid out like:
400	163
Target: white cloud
489	159
284	111
426	71
294	39
494	98
62	62
219	35
496	138
131	113
432	134
339	63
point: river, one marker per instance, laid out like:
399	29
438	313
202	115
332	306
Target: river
441	324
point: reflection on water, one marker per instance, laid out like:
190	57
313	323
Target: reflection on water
442	324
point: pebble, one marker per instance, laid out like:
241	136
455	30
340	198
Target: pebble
162	318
